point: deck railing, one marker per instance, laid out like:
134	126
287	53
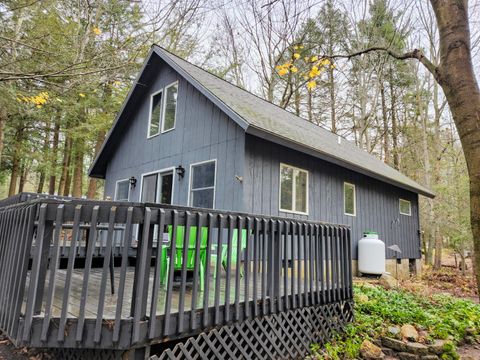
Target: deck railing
192	270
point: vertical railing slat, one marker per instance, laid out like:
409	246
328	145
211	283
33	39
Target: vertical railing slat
53	271
106	266
123	275
196	270
68	279
183	284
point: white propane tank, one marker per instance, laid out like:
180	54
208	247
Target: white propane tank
371	254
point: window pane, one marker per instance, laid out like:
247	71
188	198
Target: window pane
349	194
121	194
166	189
203	198
203	175
405	207
170	107
155	114
149	188
301	191
286	188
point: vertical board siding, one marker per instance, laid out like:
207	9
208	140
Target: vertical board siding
202	132
377	203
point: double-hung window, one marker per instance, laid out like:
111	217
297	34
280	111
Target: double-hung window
122	190
156	105
170	108
202	184
293	189
163	110
405	207
349	199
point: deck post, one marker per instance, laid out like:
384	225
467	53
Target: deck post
47	237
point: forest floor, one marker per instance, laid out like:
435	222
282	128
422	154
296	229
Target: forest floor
446	281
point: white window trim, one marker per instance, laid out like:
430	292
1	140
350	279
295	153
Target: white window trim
149	136
164	108
409	207
116	188
190	181
354	199
157	195
294	190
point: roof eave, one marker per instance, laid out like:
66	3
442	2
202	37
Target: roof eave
94	172
258	132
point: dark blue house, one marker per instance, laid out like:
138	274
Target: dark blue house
187	137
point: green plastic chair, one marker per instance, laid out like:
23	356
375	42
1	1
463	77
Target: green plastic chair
234	251
190	253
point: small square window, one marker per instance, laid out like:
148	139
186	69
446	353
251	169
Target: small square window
405	207
122	190
349	199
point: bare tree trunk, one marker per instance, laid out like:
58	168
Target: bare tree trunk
3	122
16	162
62	188
53	160
396	160
78	171
386	145
46	147
92	184
456	77
333	105
12	189
23	177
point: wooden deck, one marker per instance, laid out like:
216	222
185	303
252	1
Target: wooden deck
110	301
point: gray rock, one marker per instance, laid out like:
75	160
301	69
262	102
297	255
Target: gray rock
393	331
417	348
407	356
394	344
388	351
370	351
437	346
409	332
388	281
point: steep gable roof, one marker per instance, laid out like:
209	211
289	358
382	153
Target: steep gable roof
266	120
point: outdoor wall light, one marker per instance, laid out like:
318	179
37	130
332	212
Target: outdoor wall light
180	170
133	182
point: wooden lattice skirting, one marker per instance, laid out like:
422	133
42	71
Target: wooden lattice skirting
286	335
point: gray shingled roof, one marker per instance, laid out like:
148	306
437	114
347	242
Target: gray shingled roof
267	120
263	119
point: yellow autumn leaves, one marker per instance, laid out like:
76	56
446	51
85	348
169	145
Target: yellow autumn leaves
315	65
38	100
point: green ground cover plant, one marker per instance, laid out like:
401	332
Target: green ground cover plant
442	316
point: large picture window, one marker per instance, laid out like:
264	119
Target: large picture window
202	184
170	108
293	189
122	190
349	199
405	207
155	114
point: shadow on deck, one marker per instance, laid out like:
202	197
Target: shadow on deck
242	286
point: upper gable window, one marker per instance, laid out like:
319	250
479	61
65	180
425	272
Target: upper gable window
155	113
293	189
170	108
